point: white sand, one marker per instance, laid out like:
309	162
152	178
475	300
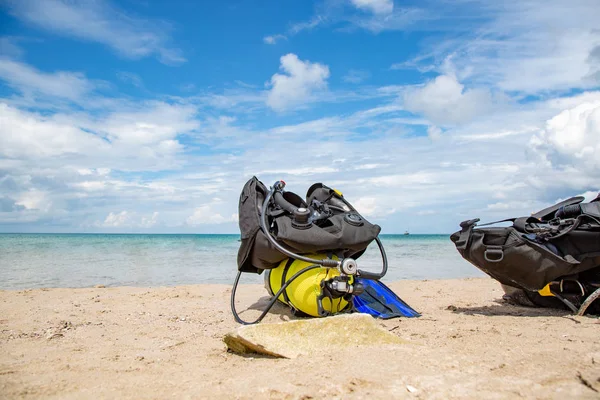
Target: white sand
166	343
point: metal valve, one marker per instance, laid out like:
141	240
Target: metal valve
349	266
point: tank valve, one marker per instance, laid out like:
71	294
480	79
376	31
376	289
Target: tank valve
349	266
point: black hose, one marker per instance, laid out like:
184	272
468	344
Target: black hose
283	203
372	275
571	211
273	300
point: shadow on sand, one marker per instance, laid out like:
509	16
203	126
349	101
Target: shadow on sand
284	312
503	308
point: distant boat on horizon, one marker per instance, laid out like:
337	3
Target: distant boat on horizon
406	233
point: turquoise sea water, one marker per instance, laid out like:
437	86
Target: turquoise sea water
84	260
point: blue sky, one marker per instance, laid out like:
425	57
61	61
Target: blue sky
149	116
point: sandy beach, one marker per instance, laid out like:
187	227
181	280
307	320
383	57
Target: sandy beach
166	342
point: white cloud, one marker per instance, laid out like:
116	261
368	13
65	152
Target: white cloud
9	47
397	180
594	62
127	219
371	207
372	15
308	25
206	215
69	168
93	171
34	200
117	219
273	39
145	138
303	171
444	101
156	123
28	80
91	186
130	77
401	19
374	6
149	221
506	205
591	195
427	212
297	82
356	76
434	132
530	47
25	135
98	21
572	138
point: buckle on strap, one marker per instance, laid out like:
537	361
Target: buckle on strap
493	254
465	233
520	224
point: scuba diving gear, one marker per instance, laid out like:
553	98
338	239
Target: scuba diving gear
552	253
316	241
380	301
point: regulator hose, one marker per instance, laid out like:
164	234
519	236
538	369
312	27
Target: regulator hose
384	268
271	302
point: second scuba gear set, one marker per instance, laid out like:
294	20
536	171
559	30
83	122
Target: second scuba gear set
552	256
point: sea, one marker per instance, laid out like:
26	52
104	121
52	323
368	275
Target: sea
85	260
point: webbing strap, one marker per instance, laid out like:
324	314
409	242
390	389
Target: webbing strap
519	224
497	222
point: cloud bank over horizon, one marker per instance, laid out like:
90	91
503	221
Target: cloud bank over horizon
113	120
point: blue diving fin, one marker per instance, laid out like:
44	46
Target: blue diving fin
380	301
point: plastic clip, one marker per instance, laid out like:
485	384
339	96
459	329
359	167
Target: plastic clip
465	233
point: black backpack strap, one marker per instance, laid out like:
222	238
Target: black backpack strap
519	224
497	222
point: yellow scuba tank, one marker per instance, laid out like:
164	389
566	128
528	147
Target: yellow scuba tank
301	294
